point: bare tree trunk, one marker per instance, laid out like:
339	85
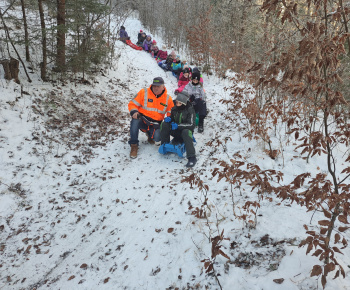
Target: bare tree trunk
110	38
14	69
345	21
43	64
6	65
11	69
61	36
26	37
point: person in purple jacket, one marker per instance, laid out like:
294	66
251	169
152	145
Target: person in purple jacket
147	43
123	35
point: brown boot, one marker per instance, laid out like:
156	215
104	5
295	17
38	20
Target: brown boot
150	140
133	152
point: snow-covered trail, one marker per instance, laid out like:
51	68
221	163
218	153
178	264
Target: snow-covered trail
112	222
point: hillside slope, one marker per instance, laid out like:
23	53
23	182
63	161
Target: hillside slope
77	212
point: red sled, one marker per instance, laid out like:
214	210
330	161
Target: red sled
134	46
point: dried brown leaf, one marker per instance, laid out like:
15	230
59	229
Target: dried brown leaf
336	238
324	222
316	270
278	281
343	229
343	219
83	266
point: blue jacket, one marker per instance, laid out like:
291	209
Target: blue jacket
177	65
123	33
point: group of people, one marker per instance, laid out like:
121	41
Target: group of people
170	62
167	62
153	110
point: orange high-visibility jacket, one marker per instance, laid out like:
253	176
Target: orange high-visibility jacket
150	106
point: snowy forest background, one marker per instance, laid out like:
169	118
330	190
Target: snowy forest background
267	207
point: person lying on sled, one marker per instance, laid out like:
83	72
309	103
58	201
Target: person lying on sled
180	125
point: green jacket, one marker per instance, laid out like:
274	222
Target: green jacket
186	118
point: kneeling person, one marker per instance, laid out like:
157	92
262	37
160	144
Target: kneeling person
147	110
180	125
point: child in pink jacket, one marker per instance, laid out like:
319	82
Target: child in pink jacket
185	77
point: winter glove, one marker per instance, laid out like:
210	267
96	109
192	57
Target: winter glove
167	120
174	126
192	98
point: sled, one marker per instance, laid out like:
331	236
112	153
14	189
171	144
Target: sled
134	46
178	148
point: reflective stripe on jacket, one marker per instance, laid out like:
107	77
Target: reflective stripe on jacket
147	104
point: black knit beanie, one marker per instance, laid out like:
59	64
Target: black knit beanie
196	76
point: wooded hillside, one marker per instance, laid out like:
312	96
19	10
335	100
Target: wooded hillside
292	56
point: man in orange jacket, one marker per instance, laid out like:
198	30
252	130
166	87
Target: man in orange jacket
148	110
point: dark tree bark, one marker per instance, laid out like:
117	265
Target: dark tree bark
6	65
43	64
11	69
14	69
61	37
345	23
26	35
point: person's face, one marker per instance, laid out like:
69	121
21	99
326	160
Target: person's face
186	75
178	104
195	81
158	89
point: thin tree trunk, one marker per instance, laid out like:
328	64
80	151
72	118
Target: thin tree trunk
345	21
110	37
61	36
26	36
43	64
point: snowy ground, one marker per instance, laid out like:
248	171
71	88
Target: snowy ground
77	213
